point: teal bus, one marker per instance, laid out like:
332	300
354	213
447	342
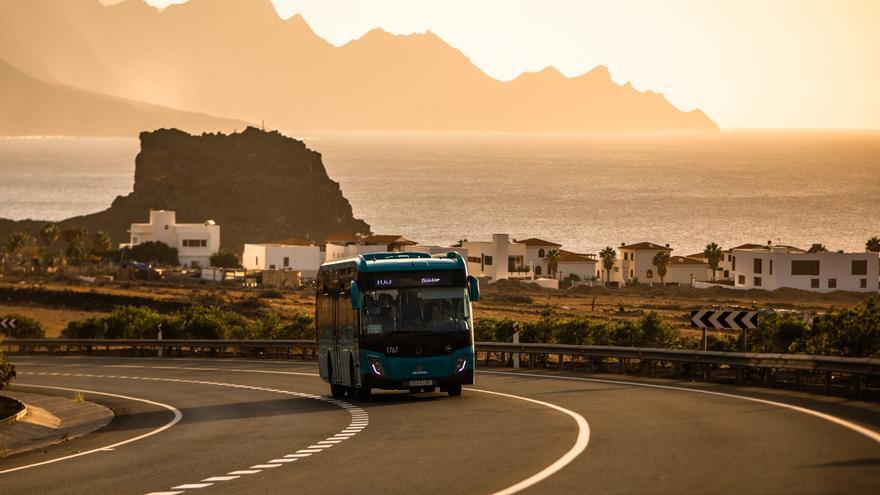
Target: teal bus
395	321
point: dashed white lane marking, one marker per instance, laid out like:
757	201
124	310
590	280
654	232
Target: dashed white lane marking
873	435
177	416
359	420
580	444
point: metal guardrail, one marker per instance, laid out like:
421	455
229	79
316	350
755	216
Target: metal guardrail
831	370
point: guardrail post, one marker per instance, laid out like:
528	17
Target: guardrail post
738	370
516	341
621	365
561	362
707	372
532	360
797	380
829	383
858	386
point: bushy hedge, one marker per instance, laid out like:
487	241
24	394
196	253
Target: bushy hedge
649	331
25	328
7	372
850	332
194	322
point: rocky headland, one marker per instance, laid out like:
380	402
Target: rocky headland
257	185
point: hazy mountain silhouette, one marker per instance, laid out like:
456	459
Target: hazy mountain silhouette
238	58
29	106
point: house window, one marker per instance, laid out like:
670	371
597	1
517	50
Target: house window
649	274
166	227
758	262
832	283
771	267
859	267
257	260
814	283
728	258
741	280
195	243
487	260
757	282
134	240
804	267
631	274
863	283
726	273
194	264
537	270
286	261
733	264
271	267
541	253
473	259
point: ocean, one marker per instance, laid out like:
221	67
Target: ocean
585	192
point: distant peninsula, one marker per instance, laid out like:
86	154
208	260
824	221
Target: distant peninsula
238	59
257	185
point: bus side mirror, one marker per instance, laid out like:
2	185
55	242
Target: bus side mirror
473	288
356	300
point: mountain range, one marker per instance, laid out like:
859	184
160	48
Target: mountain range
240	60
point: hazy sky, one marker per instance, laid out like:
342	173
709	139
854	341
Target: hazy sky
746	63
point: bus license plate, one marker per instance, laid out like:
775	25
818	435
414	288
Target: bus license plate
419	383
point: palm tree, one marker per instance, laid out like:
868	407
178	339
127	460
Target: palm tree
49	234
552	261
607	256
101	243
714	256
873	244
661	261
16	242
75	238
818	248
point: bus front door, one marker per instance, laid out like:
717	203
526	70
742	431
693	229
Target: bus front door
339	371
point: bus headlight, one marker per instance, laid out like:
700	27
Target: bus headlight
461	364
377	366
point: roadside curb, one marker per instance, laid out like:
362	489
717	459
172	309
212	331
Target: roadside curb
17	416
49	420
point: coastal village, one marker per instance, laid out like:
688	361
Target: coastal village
294	262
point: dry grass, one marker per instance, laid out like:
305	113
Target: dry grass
54	320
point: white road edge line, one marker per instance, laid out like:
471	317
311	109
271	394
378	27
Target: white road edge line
580	444
871	434
177	417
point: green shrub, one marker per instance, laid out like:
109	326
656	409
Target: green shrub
209	322
271	294
25	328
223	259
154	252
133	322
90	328
301	327
851	332
7	372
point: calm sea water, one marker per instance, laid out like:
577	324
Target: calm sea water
583	192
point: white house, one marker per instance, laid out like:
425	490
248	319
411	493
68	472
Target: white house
195	242
584	266
774	267
725	267
536	255
339	246
497	259
683	270
289	254
636	261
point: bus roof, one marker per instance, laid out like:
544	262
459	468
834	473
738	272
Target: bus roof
399	262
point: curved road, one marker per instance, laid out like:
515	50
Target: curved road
242	426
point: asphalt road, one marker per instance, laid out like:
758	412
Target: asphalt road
238	426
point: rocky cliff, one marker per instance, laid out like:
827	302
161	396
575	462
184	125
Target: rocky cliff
257	185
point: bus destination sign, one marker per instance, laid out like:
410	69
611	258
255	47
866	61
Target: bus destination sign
394	280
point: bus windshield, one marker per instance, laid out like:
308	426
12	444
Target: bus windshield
436	309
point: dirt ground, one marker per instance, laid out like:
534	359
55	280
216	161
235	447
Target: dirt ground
503	300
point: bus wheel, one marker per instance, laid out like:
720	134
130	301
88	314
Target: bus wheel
337	391
454	390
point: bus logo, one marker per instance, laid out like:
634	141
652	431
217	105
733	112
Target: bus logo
430	280
383	282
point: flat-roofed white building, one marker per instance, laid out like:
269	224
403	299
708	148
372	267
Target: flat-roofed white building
497	259
774	267
340	246
195	242
289	255
684	270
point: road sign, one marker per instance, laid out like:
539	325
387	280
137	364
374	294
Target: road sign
7	322
727	319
